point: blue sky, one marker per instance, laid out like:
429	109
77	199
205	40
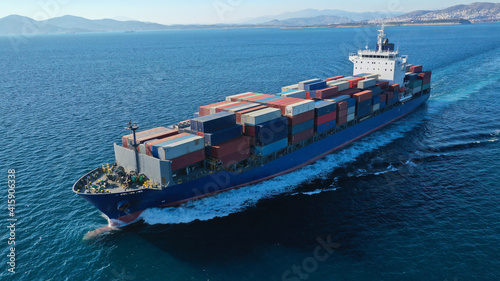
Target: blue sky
203	11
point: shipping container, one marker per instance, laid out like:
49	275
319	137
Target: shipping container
152	146
260	116
325	118
241	107
223	107
299	108
363	111
290	87
235	158
218	137
426	87
383	97
158	134
415	84
256	97
205	109
351	117
342	85
376	90
383	84
293	130
347	78
325	126
351	102
376	107
324	107
326	93
296	94
129	139
417	90
349	92
252	109
234	97
382	104
372	76
303	84
341	105
293	139
367	83
214	122
342	120
351	110
416	68
366	103
315	86
341	113
266	100
241	143
340	98
301	118
376	99
362	96
334	78
353	83
181	147
393	88
271	131
187	160
271	148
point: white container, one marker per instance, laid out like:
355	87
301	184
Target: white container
142	148
376	107
351	110
342	85
260	116
296	94
367	83
182	147
351	117
290	87
299	108
235	96
372	76
303	83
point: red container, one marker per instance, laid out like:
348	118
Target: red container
242	96
326	93
341	113
353	83
188	159
402	90
149	145
390	95
348	92
334	78
205	109
362	96
383	97
326	118
234	158
341	105
301	136
201	134
130	137
301	118
239	113
261	97
281	104
249	130
342	120
221	108
383	84
416	68
161	135
230	147
393	88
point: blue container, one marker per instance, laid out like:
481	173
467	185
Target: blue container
223	135
366	103
271	131
326	126
351	102
376	100
292	130
376	90
154	148
364	111
315	86
412	76
266	100
214	122
382	104
287	92
271	148
324	107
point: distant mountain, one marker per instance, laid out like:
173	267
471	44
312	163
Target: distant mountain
475	12
320	20
313	13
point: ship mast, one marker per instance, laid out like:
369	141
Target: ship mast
381	37
133	127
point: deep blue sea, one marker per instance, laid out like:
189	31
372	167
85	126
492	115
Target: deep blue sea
417	200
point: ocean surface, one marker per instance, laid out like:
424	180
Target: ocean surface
417	200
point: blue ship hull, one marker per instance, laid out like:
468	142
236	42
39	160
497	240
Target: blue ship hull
223	181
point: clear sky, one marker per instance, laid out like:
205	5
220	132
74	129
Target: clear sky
204	11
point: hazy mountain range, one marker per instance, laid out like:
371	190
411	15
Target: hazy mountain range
475	12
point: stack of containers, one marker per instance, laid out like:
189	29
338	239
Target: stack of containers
251	119
240	113
148	135
383	99
375	103
342	109
313	87
269	99
394	88
383	84
290	88
392	98
209	108
235	97
426	79
349	92
300	94
334	78
416	68
221	108
325	115
302	84
371	76
415	84
255	97
353	83
217	128
232	151
325	93
151	147
367	83
364	103
340	98
240	107
182	150
351	109
242	97
342	85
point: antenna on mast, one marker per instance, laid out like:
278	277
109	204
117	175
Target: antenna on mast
133	127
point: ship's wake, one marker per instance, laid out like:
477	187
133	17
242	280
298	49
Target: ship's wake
468	77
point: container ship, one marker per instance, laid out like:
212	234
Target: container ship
252	137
